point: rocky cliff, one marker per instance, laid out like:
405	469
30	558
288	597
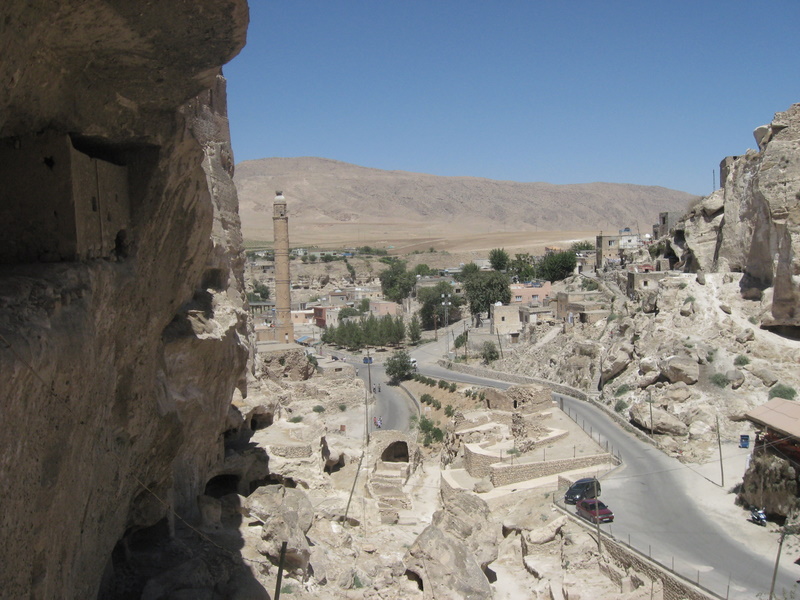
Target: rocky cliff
752	224
121	308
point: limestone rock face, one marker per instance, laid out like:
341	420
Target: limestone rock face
760	232
446	567
466	517
123	363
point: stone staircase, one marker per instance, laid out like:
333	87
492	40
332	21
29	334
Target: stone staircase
386	486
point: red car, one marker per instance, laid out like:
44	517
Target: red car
594	510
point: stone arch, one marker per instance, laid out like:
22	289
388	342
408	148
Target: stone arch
221	485
396	452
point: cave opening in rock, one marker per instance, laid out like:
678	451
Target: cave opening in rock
490	575
334	467
415	578
261	421
222	485
395	452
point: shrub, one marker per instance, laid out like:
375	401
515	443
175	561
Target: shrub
489	352
482	396
688	299
753	320
512	451
683	285
443	384
343	407
741	360
589	284
622	390
453	387
720	379
620	405
318	408
436	404
612	317
312	359
426	399
296	419
711	354
449	410
780	390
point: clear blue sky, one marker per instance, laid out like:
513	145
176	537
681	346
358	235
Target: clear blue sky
635	91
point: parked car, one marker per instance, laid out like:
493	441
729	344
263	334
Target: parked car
587	487
594	510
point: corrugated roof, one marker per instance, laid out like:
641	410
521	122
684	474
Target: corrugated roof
781	415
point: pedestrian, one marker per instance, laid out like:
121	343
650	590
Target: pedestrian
373	388
356	372
380	422
375	421
379	387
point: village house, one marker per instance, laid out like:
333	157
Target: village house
583	307
433	281
381	308
505	321
532	293
326	316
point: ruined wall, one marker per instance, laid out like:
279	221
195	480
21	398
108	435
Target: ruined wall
118	361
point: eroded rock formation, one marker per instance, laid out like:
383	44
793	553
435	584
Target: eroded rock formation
121	305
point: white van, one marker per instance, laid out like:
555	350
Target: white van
414	363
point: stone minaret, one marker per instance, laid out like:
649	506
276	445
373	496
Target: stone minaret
284	330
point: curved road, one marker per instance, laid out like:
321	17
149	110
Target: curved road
657	502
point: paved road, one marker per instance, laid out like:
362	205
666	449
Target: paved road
655	500
657	503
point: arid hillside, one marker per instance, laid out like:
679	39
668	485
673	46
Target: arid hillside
332	203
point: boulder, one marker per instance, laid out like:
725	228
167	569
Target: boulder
618	358
746	336
698	429
286	515
677	392
676	368
663	422
482	486
649	301
545	534
767	377
736	377
467	518
446	567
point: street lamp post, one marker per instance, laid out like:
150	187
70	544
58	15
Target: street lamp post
446	304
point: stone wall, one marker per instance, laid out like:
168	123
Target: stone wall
116	370
674	587
508	473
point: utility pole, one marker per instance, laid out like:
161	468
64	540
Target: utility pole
446	304
366	397
650	402
777	562
719	444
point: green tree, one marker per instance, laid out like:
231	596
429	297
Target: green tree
348	311
582	246
261	289
523	267
431	301
396	282
467	271
486	288
558	266
398	366
498	259
423	270
414	330
363	305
